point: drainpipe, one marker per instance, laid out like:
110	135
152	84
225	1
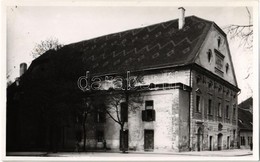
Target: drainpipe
190	114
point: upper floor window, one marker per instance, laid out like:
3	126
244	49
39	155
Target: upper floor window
227	112
209	53
198	78
101	114
198	103
149	105
219	109
234	111
210	107
219	41
149	113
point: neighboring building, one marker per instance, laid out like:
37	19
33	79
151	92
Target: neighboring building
191	104
245	123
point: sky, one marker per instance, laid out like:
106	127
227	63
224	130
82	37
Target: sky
28	25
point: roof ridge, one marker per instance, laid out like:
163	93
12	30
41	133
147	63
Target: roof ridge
127	30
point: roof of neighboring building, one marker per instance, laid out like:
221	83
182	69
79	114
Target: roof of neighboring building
247	104
152	47
245	116
245	119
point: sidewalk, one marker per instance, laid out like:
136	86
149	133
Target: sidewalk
223	153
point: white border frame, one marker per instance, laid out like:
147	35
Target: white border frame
206	3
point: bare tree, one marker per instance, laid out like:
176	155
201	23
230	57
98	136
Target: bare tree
43	46
83	111
244	32
120	100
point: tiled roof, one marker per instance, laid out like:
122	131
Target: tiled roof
245	116
245	119
156	46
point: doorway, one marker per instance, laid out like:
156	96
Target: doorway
210	143
220	141
125	140
199	139
148	140
228	142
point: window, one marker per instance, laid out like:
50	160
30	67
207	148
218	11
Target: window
210	84
197	103
124	112
242	141
198	78
100	136
149	105
219	88
227	112
219	42
149	113
227	67
210	107
219	110
234	111
101	114
209	55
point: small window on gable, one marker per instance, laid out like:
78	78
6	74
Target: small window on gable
209	55
219	42
227	67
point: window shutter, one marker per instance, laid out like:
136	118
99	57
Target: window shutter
144	115
153	115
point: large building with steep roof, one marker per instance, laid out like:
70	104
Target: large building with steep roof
187	65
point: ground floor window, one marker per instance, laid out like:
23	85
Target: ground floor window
242	141
100	136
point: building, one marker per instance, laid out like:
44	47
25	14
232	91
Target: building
191	103
245	123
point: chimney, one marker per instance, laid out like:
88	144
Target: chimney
23	68
181	18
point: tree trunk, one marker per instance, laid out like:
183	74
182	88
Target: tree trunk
123	138
84	133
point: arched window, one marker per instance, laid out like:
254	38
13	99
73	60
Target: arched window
219	42
209	53
227	67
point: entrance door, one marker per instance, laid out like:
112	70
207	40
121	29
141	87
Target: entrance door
220	141
228	142
148	140
199	140
210	143
125	140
